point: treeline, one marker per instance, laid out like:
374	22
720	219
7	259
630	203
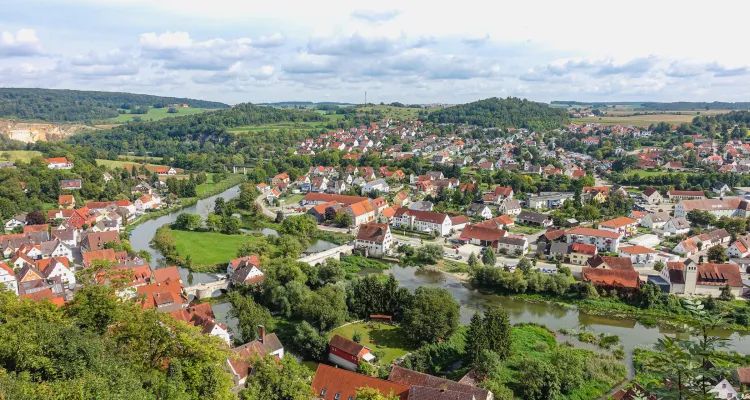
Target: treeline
186	136
503	113
57	105
700	105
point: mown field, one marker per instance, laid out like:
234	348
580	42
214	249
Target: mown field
121	164
155	114
209	248
19	155
378	337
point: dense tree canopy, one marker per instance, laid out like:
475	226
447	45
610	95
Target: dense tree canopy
503	113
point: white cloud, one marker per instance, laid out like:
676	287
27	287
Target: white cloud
23	43
375	16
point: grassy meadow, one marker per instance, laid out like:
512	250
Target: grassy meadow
19	155
155	114
378	337
209	248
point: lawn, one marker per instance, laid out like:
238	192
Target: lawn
378	337
209	248
293	199
526	230
121	164
155	114
20	155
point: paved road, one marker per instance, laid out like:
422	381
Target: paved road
260	202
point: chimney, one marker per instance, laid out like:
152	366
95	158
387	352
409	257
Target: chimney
262	333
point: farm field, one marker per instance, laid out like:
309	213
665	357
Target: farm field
638	120
155	114
377	336
120	164
395	113
20	155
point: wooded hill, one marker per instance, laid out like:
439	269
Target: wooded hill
503	113
62	105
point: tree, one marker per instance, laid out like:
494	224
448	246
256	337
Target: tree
488	258
299	226
95	307
172	110
726	293
658	266
524	265
230	225
309	343
187	222
332	271
249	315
357	337
36	217
472	260
213	222
497	328
220	206
289	246
432	315
343	219
365	368
701	218
278	380
368	393
541	381
476	338
716	253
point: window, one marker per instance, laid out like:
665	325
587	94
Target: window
323	392
337	396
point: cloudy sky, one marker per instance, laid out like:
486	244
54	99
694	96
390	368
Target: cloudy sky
413	51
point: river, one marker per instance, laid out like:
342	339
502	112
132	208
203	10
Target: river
631	332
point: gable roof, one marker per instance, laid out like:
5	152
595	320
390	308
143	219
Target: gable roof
346	345
427	216
372	232
637	250
408	377
594	232
482	233
611	277
618	222
345	383
168	274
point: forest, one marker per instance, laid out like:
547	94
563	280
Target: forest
58	105
503	113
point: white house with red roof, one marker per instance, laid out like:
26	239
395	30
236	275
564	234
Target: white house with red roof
8	278
147	202
622	225
604	240
58	163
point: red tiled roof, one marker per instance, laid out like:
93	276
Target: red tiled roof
637	250
618	222
686	193
481	233
372	232
611	278
336	381
719	274
581	248
45	294
338	198
169	274
346	345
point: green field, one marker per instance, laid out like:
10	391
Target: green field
209	248
20	155
208	185
121	164
378	337
394	113
155	114
293	199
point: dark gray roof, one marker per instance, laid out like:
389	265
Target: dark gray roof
532	216
559	248
512	241
428	393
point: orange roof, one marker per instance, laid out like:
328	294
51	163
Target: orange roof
582	248
45	263
167	274
618	222
35	228
7	268
611	277
56	160
389	212
594	232
65	199
45	294
637	250
161	293
337	380
361	208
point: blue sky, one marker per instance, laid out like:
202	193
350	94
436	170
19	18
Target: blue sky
414	52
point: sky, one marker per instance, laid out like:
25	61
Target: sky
413	51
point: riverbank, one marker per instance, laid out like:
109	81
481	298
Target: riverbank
230	181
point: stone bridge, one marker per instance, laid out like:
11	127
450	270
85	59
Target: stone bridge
320	258
205	290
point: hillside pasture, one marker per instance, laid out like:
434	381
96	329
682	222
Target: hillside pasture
19	155
155	114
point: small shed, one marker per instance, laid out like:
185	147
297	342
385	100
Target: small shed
387	319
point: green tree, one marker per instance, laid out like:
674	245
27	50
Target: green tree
365	368
213	222
716	253
497	328
432	315
95	307
230	225
249	315
541	380
278	380
309	343
299	226
524	265
343	219
488	258
476	339
472	260
332	271
368	393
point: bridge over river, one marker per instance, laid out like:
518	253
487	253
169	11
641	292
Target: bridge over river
206	290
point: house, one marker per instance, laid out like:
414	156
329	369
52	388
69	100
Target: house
423	221
71	184
347	353
677	195
401	199
334	383
720	188
18	220
549	200
676	226
281	179
740	248
422	382
634	393
56	248
558	251
639	255
625	226
608	262
240	262
503	193
377	186
727	207
513	244
421	205
374	239
366	210
510	207
241	358
479	210
143	188
611	279
147	202
603	240
481	236
57	267
581	253
534	219
638	215
459	222
66	202
501	222
652	196
703	279
166	296
58	163
202	316
322	213
655	220
8	278
96	240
